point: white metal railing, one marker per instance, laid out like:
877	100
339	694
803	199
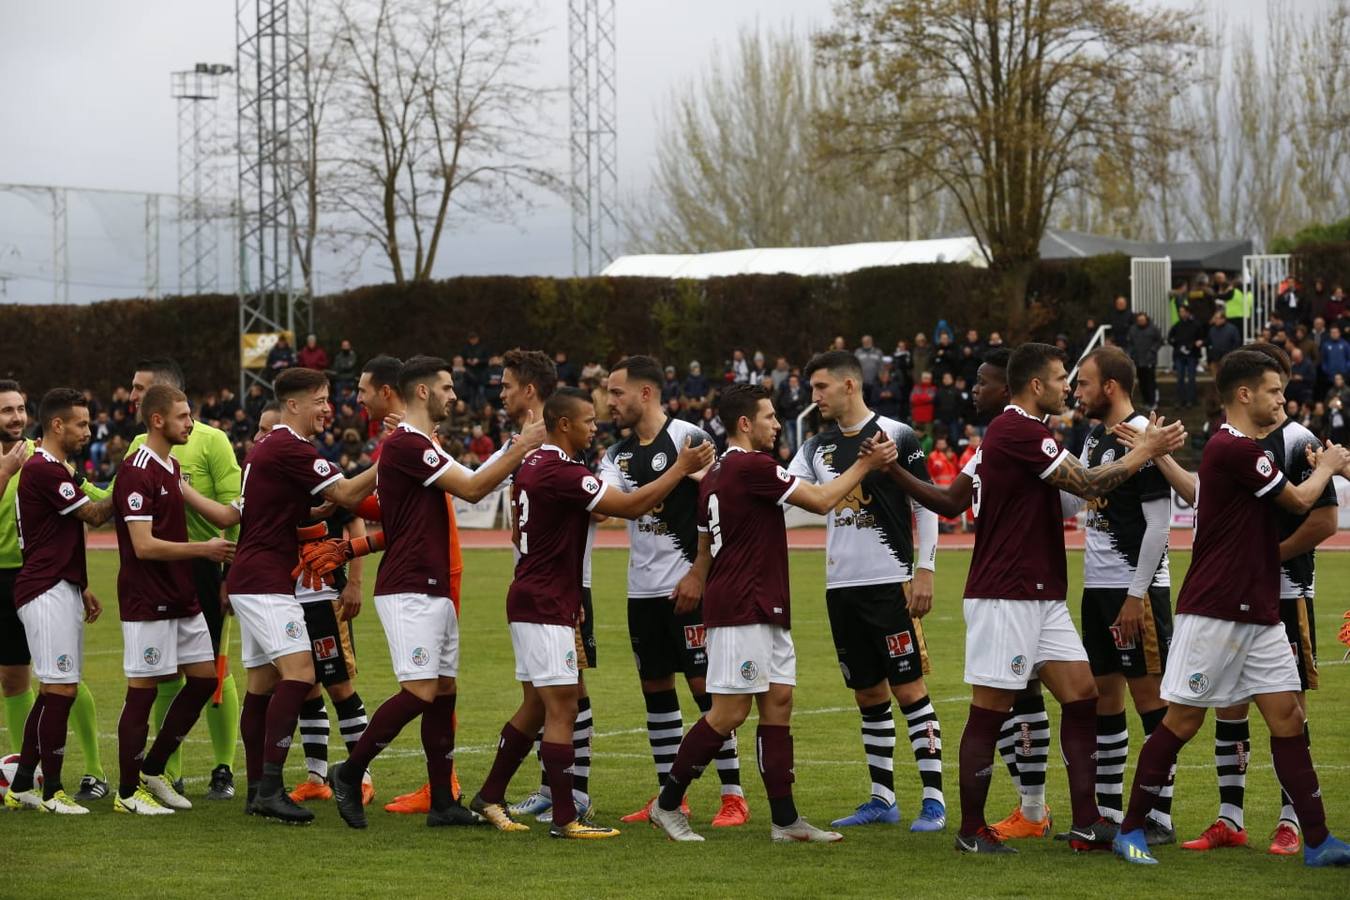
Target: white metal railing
1098	338
1151	292
801	422
1262	275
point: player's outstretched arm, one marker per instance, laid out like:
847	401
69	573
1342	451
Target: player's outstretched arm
821	498
693	458
474	486
218	514
11	462
1320	525
1157	440
349	492
1328	461
95	514
688	594
147	546
1181	481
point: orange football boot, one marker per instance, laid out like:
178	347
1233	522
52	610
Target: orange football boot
1018	826
416	803
1285	841
734	812
311	790
1218	835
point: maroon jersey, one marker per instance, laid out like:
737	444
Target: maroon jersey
1235	564
52	540
148	490
552	496
283	477
1019	544
415	515
740	506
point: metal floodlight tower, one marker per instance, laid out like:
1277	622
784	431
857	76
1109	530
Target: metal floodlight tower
197	91
594	150
269	56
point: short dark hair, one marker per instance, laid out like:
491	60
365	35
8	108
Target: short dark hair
740	400
270	406
998	359
9	384
1114	365
642	368
383	370
160	398
562	405
298	380
57	404
419	370
1243	368
837	362
165	370
533	367
1275	352
1029	361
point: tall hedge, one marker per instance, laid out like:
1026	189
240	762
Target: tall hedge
592	318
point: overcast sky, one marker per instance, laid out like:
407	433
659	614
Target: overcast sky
84	102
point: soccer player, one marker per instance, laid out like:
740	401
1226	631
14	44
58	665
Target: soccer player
208	464
51	594
1127	604
1024	740
877	588
412	588
1017	622
741	575
1229	646
163	629
666	638
283	476
554	497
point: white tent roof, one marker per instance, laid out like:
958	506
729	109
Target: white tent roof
796	260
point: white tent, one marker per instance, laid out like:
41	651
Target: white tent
797	260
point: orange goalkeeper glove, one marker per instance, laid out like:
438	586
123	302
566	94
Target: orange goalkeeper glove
310	536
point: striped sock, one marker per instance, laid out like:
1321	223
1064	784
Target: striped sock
1024	743
727	760
583	730
925	739
352	720
878	739
1113	750
1232	749
314	736
665	729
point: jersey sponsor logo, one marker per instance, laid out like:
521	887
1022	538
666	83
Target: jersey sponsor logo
570	660
1018	665
420	657
151	656
432	458
1121	642
163	491
64	662
1264	467
1050	448
294	630
67	490
915	456
901	644
695	636
1198	683
135	501
749	671
590	485
322	468
782	474
659	462
1108	457
326	648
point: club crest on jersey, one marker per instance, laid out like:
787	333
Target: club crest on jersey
659	462
901	644
782	474
590	485
135	502
695	636
570	660
749	671
326	648
431	458
1198	683
322	468
151	656
420	656
1050	448
1264	467
67	490
1019	665
294	630
64	662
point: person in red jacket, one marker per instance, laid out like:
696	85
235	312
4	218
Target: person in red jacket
942	468
312	356
921	400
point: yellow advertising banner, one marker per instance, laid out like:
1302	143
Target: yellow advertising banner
254	347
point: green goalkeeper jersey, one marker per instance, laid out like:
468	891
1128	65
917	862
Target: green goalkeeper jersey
10	555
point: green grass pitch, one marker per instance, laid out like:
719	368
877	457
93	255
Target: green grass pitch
215	851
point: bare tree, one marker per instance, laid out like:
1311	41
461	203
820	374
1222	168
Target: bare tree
736	162
438	119
1322	137
1006	105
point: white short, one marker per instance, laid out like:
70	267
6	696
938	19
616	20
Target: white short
546	655
158	647
423	635
1218	663
1007	641
270	626
746	659
54	624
